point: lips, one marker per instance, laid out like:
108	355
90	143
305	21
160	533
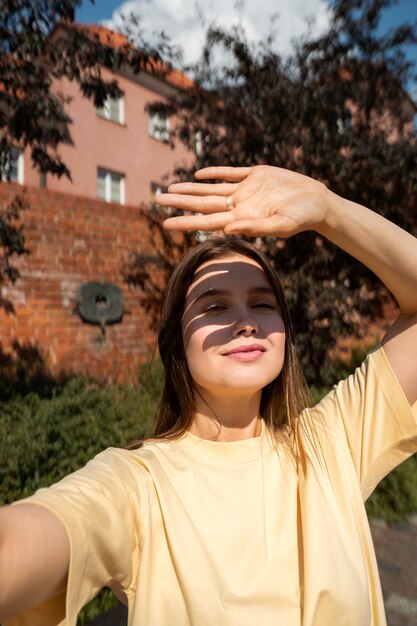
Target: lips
246	348
251	352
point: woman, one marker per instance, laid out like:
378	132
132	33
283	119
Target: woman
243	510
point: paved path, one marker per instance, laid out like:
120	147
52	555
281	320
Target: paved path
396	551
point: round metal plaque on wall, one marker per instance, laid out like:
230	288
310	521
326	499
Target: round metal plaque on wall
100	303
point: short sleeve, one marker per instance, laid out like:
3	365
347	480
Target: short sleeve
100	512
370	412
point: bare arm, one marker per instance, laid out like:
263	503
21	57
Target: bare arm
391	253
34	557
267	200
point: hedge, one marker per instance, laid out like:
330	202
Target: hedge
50	433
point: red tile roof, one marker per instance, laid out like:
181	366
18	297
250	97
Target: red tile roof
118	40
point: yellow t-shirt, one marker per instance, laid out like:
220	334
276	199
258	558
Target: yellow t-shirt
202	533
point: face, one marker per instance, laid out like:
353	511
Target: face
233	333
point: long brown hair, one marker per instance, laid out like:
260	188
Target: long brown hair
282	400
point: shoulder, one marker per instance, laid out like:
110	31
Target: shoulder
370	386
109	481
151	458
371	401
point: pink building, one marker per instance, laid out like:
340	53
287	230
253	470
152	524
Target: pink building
83	231
120	153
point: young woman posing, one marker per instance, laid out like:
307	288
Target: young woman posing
246	507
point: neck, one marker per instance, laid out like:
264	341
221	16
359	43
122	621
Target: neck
227	419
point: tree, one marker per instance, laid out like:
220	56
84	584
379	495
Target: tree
337	110
39	44
11	243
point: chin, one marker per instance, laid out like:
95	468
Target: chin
243	384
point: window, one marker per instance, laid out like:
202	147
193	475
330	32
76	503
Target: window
344	124
113	109
110	186
14	167
198	143
155	189
159	126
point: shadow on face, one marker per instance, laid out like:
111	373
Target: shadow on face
228	296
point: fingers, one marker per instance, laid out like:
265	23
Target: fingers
231	174
202	189
215	221
252	228
206	204
277	225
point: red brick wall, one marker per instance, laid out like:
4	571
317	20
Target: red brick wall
73	240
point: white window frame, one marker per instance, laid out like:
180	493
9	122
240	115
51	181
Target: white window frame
106	113
344	124
157	188
108	174
16	158
198	143
159	127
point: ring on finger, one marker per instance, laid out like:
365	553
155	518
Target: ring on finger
228	203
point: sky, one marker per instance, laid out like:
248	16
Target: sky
182	20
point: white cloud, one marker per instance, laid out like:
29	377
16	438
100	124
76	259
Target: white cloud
181	20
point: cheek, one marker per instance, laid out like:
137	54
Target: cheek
200	348
280	341
193	348
190	343
277	338
275	331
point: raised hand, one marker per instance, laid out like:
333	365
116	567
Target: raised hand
259	200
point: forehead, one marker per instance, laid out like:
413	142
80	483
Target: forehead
231	272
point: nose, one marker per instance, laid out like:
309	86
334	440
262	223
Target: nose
245	328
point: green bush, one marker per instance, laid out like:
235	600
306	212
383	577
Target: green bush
395	498
43	439
101	603
48	435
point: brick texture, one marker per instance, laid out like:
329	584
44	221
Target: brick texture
73	240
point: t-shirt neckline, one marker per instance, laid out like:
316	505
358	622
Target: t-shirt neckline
243	449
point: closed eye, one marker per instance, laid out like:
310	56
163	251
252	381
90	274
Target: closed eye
266	305
215	307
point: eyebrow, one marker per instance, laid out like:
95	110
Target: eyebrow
225	292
